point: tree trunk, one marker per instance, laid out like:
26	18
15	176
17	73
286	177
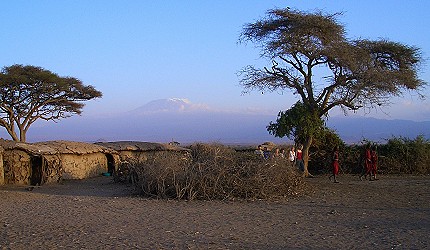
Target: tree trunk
306	148
11	132
14	136
22	135
22	138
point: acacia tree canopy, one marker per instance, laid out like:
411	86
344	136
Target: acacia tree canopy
296	122
29	93
311	57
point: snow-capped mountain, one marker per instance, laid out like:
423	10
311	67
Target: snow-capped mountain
170	105
181	120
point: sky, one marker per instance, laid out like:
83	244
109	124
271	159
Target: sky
138	51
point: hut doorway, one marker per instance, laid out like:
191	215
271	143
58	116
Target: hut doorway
110	164
37	173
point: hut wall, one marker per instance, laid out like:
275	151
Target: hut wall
1	169
133	156
17	167
84	165
52	168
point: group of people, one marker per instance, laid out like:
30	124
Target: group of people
265	153
295	157
369	167
370	163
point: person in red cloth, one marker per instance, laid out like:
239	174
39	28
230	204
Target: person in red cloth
335	164
367	164
299	159
374	163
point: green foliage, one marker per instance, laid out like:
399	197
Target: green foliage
322	150
297	123
398	156
403	155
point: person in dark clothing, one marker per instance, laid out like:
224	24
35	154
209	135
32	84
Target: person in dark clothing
367	170
374	163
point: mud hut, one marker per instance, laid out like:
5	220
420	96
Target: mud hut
140	152
47	162
22	163
81	160
1	166
135	156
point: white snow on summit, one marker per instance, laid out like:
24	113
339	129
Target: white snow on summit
170	105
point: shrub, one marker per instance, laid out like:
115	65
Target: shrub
214	171
403	155
398	156
321	151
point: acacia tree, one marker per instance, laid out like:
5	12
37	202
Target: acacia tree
311	57
29	93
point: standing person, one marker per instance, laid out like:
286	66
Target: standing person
335	164
292	156
367	164
299	159
266	153
283	154
374	162
259	151
278	154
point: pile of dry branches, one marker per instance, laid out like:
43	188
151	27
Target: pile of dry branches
217	172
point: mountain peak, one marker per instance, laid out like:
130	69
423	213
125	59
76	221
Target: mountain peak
174	99
169	105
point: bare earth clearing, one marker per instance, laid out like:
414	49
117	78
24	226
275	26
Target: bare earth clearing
391	213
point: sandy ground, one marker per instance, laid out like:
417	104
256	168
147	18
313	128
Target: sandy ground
391	213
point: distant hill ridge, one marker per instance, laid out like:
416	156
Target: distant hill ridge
180	120
353	129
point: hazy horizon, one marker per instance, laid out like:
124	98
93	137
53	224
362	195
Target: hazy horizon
176	119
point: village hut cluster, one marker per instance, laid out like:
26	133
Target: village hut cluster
50	162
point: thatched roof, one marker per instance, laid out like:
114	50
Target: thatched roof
27	147
140	146
55	147
70	147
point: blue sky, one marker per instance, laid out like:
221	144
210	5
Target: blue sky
139	51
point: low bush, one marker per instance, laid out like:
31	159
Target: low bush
217	172
401	155
398	156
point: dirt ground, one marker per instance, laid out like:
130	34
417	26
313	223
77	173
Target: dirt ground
390	213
